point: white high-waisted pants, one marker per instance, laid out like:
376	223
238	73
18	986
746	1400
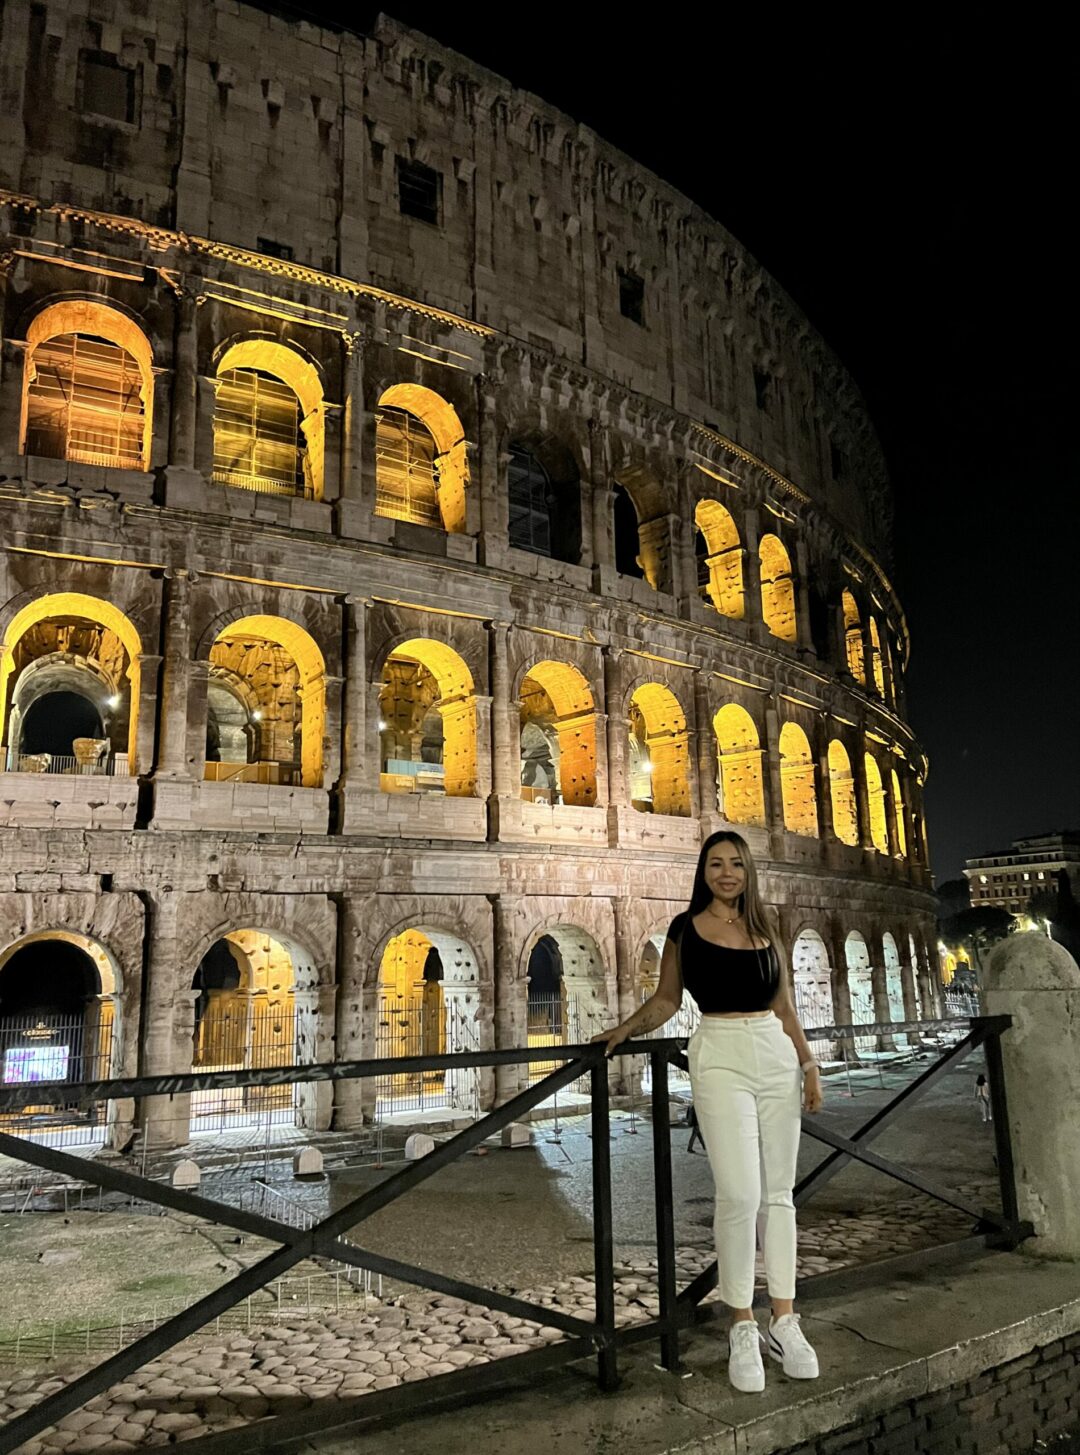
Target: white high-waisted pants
747	1089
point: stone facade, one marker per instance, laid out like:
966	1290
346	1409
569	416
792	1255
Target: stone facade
293	322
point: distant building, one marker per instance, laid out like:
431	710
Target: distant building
1007	879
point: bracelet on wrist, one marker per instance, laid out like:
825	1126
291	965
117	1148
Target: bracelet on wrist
808	1066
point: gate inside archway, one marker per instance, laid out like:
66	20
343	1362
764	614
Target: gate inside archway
860	989
566	986
684	1022
894	985
57	1023
428	1005
254	1006
811	979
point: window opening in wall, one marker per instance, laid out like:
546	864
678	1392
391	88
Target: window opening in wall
842	793
418	190
627	539
777	589
876	672
108	88
837	460
257	440
407	470
530	494
853	639
875	798
274	249
632	297
84	403
741	797
719	558
762	387
797	782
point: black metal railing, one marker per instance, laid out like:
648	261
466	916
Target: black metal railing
599	1337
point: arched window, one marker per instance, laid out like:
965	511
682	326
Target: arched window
875	798
531	498
853	639
898	816
427	721
887	661
742	794
88	387
558	736
659	751
797	782
876	672
421	459
777	589
269	420
842	794
720	563
627	539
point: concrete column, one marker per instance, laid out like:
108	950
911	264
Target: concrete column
352	451
1037	983
172	757
185	382
511	1000
708	758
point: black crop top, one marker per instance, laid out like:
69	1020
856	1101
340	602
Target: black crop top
724	981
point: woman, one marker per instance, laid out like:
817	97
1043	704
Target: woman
750	1067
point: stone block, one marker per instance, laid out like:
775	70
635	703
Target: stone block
517	1134
418	1145
186	1174
308	1162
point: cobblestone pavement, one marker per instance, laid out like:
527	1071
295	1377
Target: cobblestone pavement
221	1381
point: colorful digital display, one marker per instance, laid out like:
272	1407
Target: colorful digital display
35	1063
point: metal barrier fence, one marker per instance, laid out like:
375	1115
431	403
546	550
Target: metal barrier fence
599	1336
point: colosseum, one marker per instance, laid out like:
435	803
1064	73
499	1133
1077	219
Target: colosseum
423	526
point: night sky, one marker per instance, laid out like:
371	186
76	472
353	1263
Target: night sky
910	189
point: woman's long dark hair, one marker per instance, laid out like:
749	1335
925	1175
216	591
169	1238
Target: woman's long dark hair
750	905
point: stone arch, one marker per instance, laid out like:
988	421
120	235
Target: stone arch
811	978
556	698
427	719
571	1003
738	744
894	984
842	795
898	815
428	983
777	589
876	673
286	671
92	403
120	641
875	799
854	649
659	751
543	488
797	782
720	563
648	499
859	978
420	475
238	448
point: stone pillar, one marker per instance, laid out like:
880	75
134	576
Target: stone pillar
752	574
172	755
889	801
603	497
862	801
356	1014
511	1000
708	757
870	656
494	513
482	708
354	721
772	782
352	451
167	1027
825	809
1037	983
616	733
802	596
185	382
879	983
506	742
625	1069
145	710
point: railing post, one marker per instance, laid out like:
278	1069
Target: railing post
665	1212
603	1241
999	1110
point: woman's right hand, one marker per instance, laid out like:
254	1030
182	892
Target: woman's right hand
613	1037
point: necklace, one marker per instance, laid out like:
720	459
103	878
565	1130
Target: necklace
725	921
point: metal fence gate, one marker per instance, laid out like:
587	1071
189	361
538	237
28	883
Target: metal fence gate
51	1048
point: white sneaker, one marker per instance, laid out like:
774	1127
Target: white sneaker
789	1346
745	1368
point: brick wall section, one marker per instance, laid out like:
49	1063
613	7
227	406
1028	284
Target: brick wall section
1002	1411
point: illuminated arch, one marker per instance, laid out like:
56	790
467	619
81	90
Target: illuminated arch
842	794
722	565
88	608
777	589
640	522
447	699
811	978
876	672
658	727
561	700
875	799
428	993
236	418
898	816
739	748
860	979
110	426
797	782
302	648
402	465
853	639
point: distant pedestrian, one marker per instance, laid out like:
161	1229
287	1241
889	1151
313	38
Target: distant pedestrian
982	1097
